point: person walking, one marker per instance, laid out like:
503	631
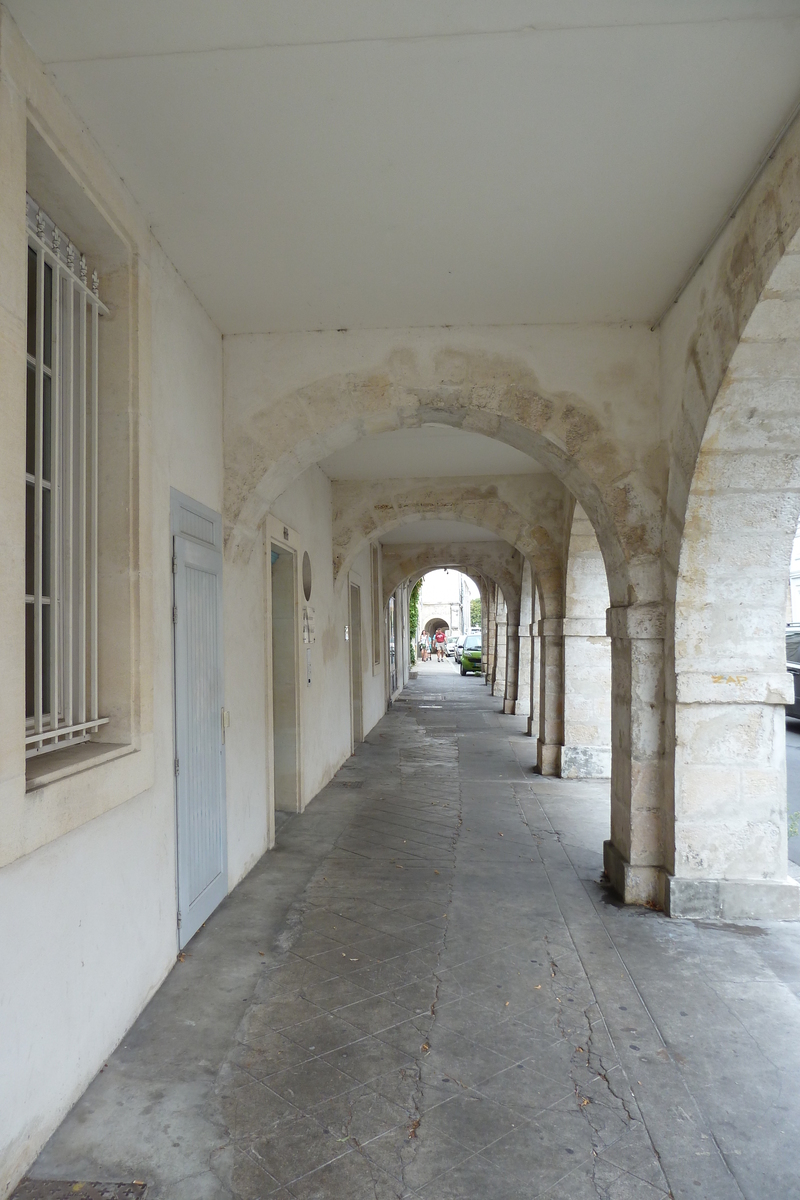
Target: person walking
439	639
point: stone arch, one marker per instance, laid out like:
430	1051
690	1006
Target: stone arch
742	271
497	561
726	851
522	513
491	394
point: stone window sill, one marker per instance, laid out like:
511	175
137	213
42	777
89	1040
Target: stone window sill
58	764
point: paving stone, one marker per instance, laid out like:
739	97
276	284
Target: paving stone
478	1025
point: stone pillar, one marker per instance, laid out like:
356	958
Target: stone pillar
499	683
730	855
587	699
634	855
533	718
551	697
523	708
491	636
512	663
484	589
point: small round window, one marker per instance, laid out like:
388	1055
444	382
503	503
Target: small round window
306	576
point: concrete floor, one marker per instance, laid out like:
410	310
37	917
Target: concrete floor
426	991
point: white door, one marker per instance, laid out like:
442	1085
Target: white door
199	699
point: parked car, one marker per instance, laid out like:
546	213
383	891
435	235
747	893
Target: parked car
793	667
450	644
457	648
471	654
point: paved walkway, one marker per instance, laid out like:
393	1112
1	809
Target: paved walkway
425	991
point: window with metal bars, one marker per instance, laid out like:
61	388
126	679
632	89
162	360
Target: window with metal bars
61	683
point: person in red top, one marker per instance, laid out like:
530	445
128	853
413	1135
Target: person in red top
439	638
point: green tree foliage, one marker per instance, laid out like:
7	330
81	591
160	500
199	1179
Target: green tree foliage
474	612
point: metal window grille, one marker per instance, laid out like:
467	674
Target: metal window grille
61	687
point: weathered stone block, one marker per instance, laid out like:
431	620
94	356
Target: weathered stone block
635	884
585	762
733	899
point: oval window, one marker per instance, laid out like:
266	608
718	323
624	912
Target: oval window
306	575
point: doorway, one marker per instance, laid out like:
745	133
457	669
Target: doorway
356	681
392	639
202	856
284	678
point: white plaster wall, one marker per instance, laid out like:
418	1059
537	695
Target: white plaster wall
187	403
88	934
88	930
250	819
373	686
325	703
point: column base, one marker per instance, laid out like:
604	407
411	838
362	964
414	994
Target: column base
733	899
586	762
499	688
548	757
531	730
510	707
635	885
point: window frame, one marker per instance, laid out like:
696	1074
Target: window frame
63	541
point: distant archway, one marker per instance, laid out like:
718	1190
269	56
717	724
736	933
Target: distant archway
435	623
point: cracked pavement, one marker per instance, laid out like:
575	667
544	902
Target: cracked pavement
426	991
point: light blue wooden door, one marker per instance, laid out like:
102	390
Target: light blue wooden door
199	744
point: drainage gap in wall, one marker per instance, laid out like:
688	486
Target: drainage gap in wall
52	1189
348	783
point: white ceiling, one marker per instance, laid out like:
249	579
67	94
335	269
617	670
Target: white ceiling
417	532
318	164
432	451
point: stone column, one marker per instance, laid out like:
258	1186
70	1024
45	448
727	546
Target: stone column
730	854
533	718
491	635
512	662
484	589
551	697
587	699
523	708
499	683
634	855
